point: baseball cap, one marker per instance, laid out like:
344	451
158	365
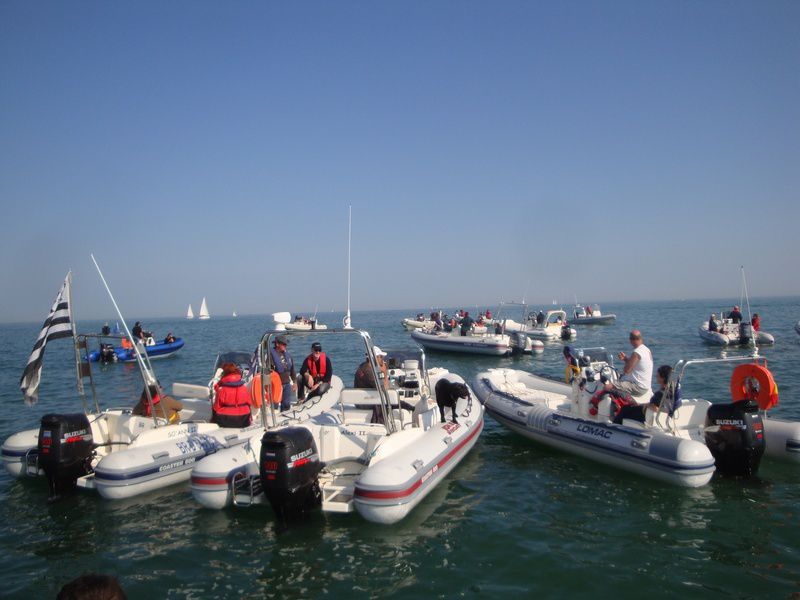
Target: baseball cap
378	351
282	339
316	346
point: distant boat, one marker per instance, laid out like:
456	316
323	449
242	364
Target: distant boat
203	311
234	314
190	313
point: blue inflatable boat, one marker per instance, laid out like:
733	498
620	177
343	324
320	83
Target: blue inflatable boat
108	353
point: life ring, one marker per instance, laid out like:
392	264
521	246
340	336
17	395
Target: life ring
276	391
766	394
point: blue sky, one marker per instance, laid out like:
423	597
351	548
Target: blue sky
609	150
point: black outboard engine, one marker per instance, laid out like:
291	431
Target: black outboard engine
745	333
735	435
65	450
289	470
565	332
107	354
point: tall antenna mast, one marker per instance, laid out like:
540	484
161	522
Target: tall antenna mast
346	323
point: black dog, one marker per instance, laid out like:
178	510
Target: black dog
447	394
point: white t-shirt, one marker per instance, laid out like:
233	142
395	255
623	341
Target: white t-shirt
642	372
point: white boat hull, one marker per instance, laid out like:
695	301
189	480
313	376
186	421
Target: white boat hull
490	344
731	337
601	320
651	453
304	326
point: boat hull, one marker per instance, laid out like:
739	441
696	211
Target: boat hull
153	352
601	320
388	491
492	345
717	338
675	460
128	473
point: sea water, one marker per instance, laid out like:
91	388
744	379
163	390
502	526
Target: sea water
512	519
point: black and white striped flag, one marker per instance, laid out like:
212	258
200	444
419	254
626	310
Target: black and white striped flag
57	325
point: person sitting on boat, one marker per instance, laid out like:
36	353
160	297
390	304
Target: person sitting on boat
588	311
165	407
735	315
315	374
756	322
488	314
106	330
137	331
539	318
466	323
572	368
365	376
438	324
284	366
169	339
638	412
451	324
637	373
232	400
712	323
498	328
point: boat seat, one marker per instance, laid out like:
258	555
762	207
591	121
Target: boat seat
355	415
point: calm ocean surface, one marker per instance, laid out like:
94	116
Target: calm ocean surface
513	518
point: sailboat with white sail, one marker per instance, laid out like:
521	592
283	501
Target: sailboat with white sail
190	313
203	311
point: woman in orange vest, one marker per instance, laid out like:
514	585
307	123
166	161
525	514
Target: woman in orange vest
232	401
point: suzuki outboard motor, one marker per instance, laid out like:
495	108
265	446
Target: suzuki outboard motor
65	450
289	470
735	436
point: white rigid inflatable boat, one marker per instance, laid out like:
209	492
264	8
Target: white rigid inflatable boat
452	341
580	316
553	327
730	334
672	449
410	324
377	451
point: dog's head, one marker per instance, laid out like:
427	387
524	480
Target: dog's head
459	390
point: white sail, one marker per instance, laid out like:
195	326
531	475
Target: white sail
190	313
234	314
203	310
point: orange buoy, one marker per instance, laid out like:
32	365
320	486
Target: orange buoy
753	381
276	391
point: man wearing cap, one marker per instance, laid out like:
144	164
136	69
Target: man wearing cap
365	376
315	374
284	366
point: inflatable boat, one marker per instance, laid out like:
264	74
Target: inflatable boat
108	353
581	316
553	327
683	448
734	334
443	341
376	451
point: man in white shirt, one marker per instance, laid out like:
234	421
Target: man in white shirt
637	373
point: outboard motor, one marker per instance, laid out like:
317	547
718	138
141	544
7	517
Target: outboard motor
289	470
518	341
107	354
745	333
735	436
565	332
65	450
